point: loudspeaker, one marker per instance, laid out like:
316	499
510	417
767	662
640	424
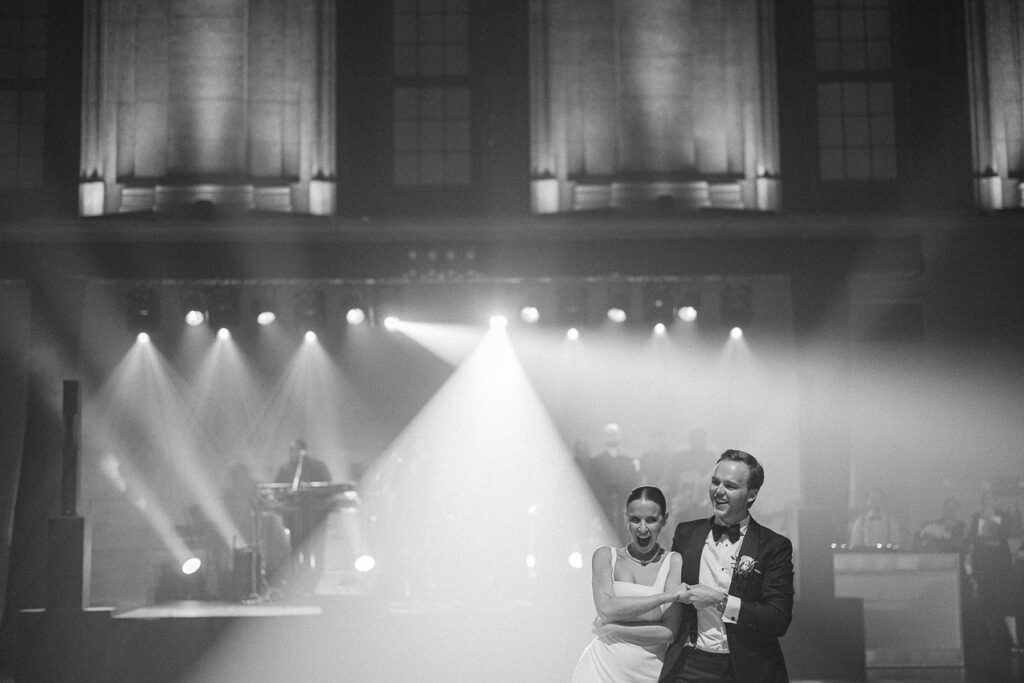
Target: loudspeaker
246	574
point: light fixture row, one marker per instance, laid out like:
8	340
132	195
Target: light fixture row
572	305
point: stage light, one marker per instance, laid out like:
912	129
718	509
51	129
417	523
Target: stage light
529	314
391	323
310	336
660	329
224	334
531	561
355	316
191	566
364	563
619	300
687	314
264	308
143	338
736	333
353	302
194	309
498	322
572	334
576	560
143	310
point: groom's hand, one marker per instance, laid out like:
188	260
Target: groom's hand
704	596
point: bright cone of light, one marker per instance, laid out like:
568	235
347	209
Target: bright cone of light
191	565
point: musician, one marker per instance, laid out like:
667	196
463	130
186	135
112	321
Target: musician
306	520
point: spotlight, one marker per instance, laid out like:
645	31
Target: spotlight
191	566
355	316
736	333
310	336
619	297
143	338
391	323
353	302
143	310
531	561
224	334
660	329
687	314
364	563
529	314
572	334
264	309
687	302
194	309
576	560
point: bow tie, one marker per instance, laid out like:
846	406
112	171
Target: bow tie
732	531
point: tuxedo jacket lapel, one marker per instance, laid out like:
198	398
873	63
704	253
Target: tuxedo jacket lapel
692	552
750	547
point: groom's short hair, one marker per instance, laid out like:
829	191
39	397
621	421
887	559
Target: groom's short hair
756	477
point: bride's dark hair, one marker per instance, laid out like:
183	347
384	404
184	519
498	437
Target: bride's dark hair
651	493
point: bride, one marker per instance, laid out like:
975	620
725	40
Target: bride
636	592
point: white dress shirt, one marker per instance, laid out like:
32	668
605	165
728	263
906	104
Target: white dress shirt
717	562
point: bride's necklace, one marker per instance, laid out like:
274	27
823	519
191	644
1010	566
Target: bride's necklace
647	558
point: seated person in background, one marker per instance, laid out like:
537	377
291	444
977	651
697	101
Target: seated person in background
875	527
947	534
305	519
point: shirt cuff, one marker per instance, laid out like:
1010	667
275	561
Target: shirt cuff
732	610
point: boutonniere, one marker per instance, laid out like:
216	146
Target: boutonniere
745	566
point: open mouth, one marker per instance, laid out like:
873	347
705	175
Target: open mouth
643	541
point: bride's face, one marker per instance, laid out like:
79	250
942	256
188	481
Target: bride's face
644	522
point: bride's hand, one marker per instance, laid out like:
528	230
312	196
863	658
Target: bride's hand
597	626
682	593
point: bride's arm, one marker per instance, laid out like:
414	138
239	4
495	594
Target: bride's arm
652	632
611	607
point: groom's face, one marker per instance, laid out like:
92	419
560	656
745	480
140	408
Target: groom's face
730	495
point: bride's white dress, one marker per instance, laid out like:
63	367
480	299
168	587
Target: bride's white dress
607	660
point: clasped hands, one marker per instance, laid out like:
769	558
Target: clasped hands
698	595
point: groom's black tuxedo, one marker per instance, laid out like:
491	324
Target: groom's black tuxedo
766	610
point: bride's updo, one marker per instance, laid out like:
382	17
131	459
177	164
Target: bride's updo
651	493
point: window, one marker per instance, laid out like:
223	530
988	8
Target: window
856	116
431	97
856	131
431	37
431	136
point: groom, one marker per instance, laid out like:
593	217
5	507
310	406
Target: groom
741	586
